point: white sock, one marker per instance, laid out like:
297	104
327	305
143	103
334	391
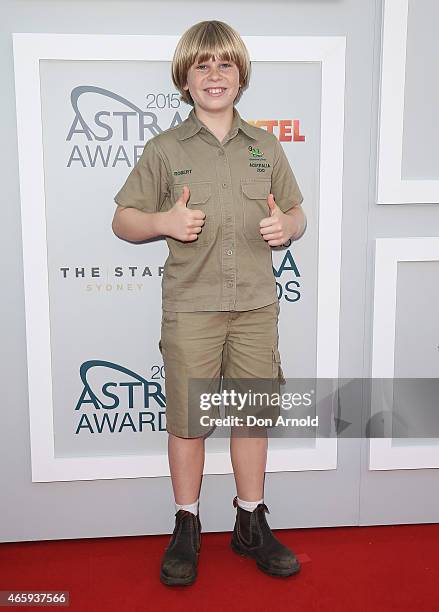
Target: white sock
248	505
189	507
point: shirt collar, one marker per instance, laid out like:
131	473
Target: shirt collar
192	125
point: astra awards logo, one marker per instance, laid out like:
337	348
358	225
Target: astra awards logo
119	399
121	125
288	288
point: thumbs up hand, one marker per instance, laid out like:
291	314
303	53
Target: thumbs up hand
276	228
184	223
273	207
183	199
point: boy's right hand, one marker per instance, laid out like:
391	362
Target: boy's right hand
184	223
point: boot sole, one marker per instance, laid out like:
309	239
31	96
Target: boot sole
270	572
170	581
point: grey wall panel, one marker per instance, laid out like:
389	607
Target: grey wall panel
420	159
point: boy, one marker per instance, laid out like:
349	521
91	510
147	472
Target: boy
222	193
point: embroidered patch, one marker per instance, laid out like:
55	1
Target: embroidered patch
257	159
255	152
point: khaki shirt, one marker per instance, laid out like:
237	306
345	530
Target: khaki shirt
229	265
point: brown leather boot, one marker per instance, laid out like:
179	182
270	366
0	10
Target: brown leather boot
252	537
180	560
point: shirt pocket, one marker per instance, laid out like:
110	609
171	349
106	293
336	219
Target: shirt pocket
200	198
254	197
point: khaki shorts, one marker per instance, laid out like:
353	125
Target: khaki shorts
207	346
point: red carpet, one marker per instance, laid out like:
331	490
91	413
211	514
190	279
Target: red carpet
344	568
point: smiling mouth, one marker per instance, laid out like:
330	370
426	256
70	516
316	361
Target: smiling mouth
215	91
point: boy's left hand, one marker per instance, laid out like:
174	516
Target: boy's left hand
278	227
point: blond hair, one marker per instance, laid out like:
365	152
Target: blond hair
203	41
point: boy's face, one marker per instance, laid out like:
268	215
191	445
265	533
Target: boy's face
204	78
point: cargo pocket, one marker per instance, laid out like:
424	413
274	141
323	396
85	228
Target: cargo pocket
278	374
254	207
200	198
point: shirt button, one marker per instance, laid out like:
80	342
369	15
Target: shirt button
220	153
225	185
230	284
229	252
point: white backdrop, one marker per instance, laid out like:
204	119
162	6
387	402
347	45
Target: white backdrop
93	303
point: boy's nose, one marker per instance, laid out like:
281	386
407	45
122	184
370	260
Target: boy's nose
214	72
215	80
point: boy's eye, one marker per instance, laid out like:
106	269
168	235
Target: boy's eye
224	64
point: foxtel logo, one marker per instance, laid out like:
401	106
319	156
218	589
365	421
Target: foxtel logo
288	129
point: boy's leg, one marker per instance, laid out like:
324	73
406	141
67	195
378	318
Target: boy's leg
252	352
191	344
249	460
186	463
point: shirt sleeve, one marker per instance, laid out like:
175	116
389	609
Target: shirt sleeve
147	184
284	186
